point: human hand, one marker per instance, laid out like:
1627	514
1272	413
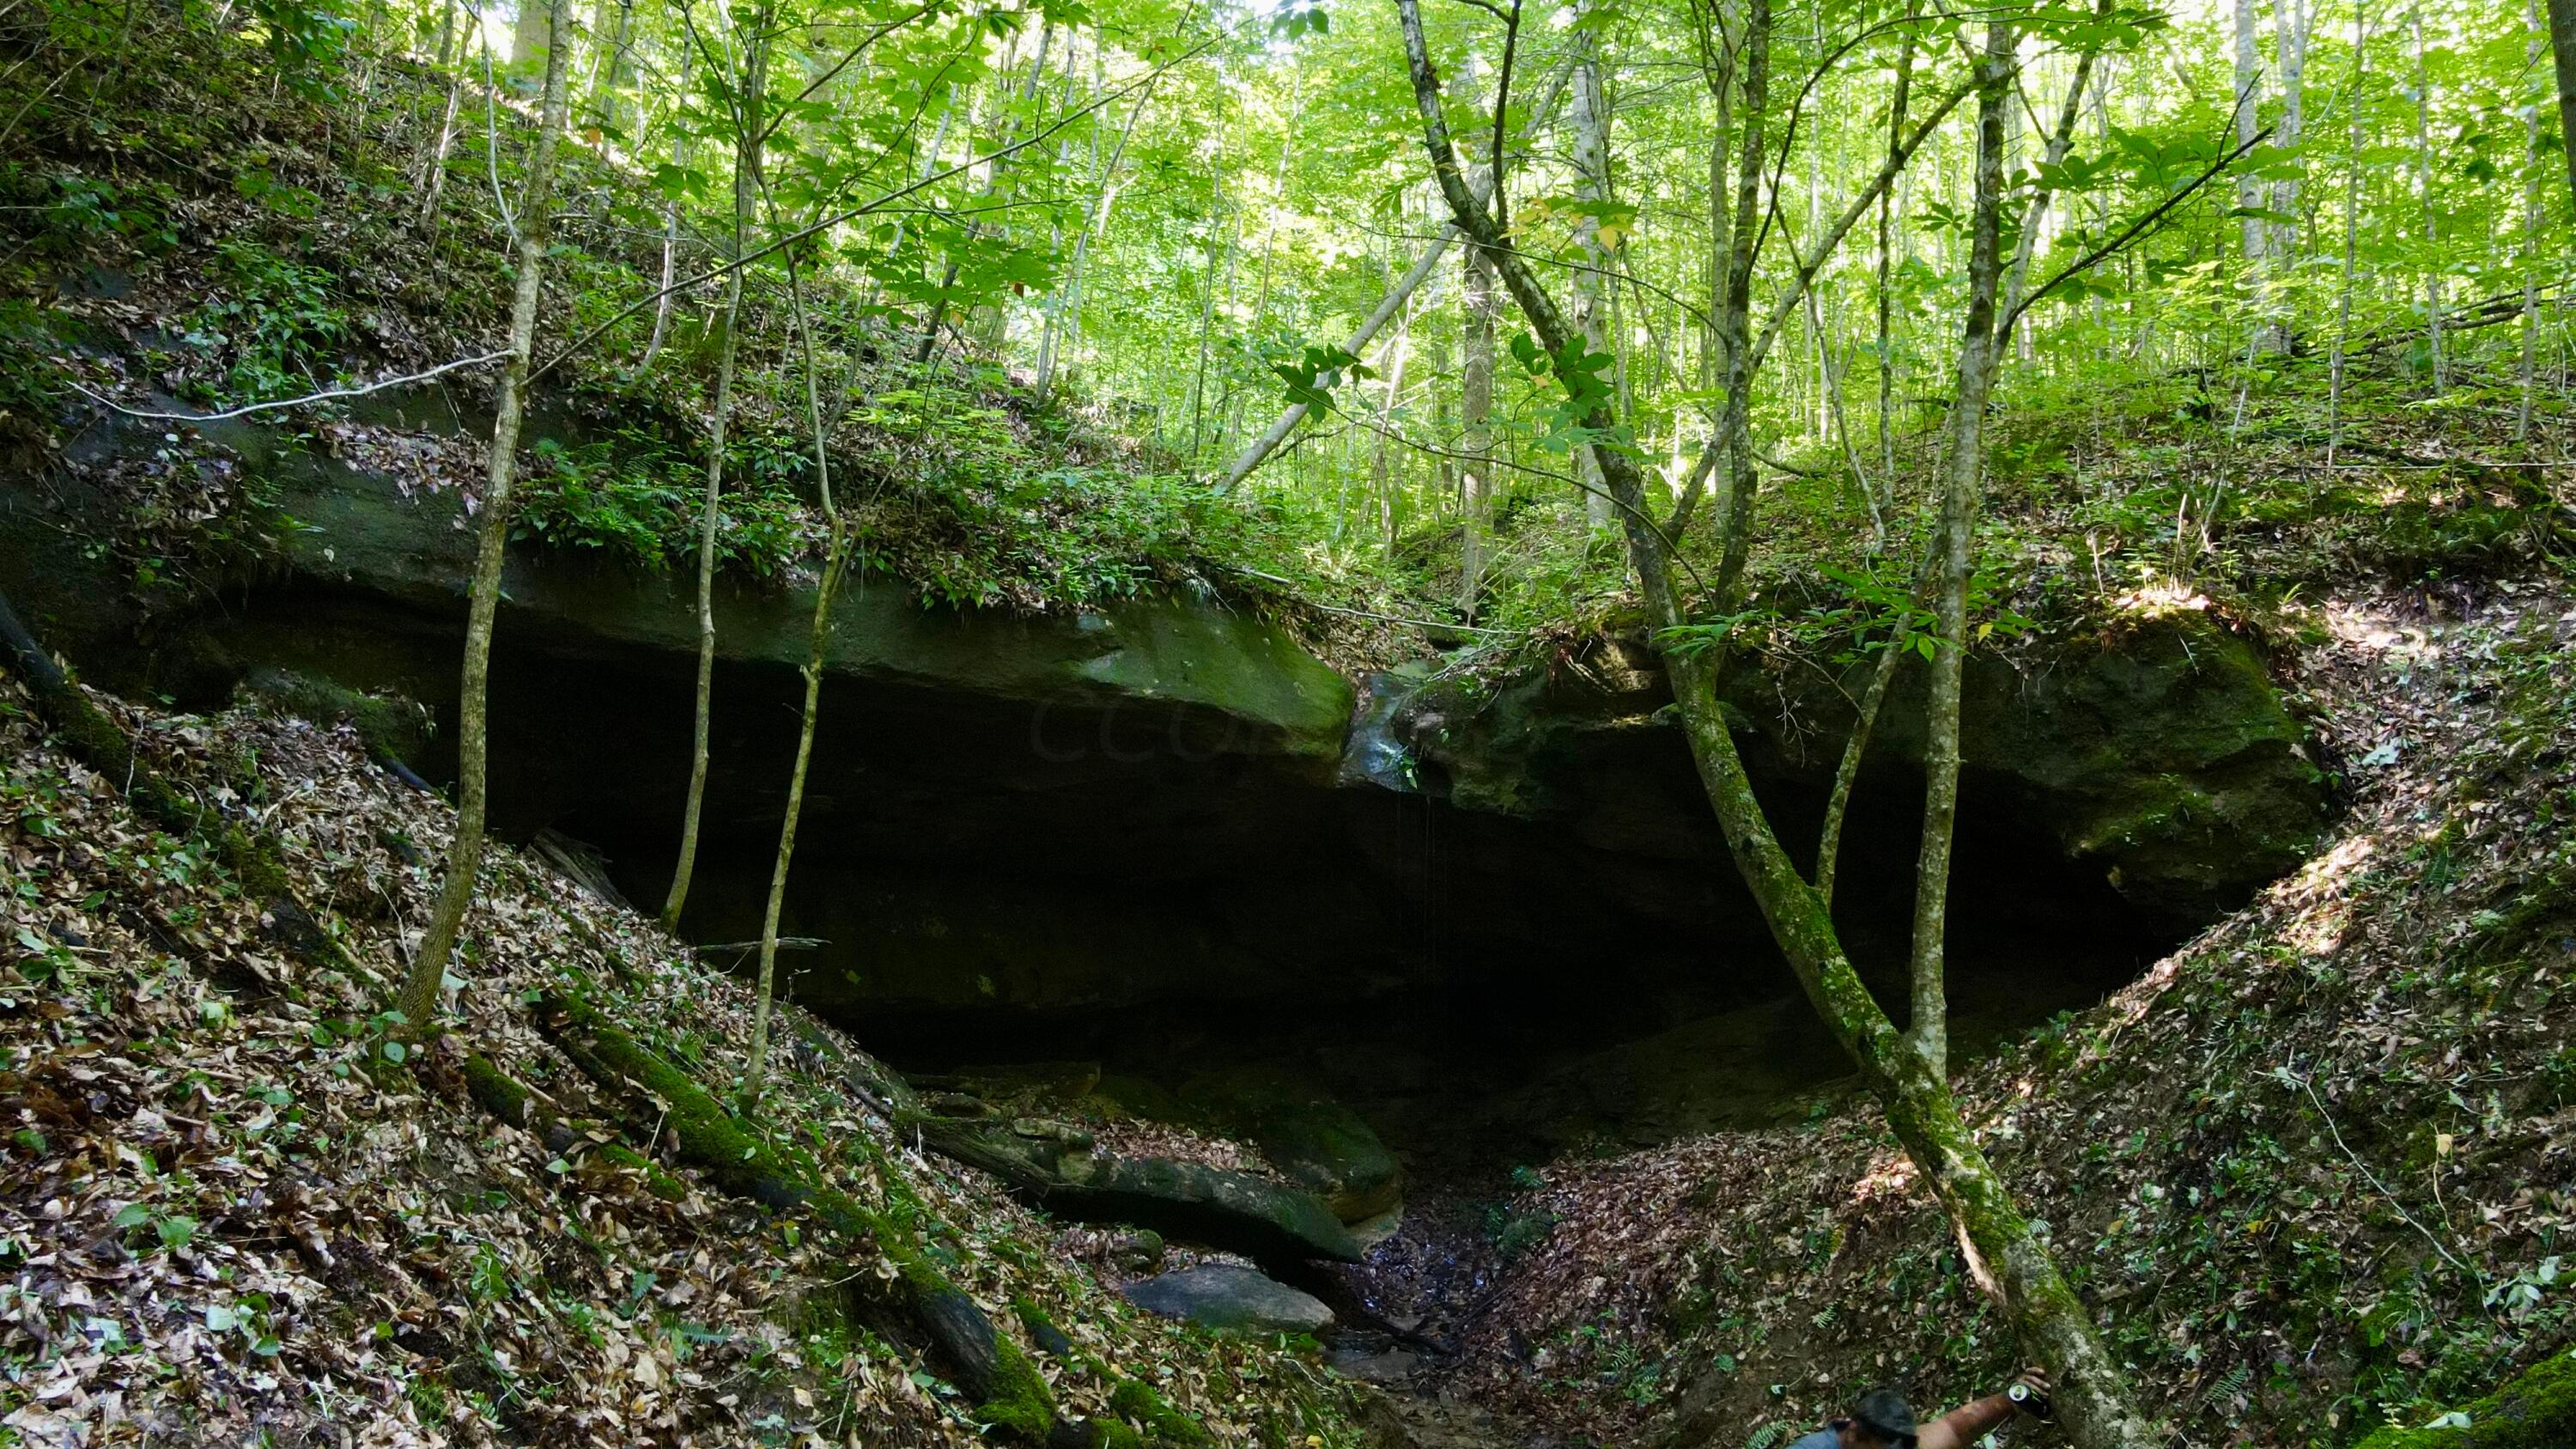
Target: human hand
2029	1391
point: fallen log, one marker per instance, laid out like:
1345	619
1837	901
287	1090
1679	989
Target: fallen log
101	744
1010	1395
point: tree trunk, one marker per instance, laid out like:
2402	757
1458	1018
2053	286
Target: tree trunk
1475	397
2044	1312
668	298
746	185
1929	1026
2292	21
419	999
1381	481
612	66
1067	312
1886	203
2060	142
1590	115
929	344
1717	73
1864	723
2530	234
2562	46
1735	432
1475	433
2351	233
835	559
437	177
2432	214
2249	190
1207	325
532	35
1261	448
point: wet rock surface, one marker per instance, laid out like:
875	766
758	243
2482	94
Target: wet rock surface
1231	1299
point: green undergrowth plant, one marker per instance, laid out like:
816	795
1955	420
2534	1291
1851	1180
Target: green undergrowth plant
275	321
638	499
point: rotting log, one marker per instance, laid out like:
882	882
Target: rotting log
1010	1396
509	1100
101	744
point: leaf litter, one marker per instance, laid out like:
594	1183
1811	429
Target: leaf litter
232	1201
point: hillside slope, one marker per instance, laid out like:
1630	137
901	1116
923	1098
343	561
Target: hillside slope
232	1199
2314	1170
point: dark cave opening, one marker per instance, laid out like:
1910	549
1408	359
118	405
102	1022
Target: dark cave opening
1009	883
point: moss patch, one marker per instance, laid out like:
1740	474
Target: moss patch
2536	1408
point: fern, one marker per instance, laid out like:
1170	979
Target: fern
2228	1386
1766	1436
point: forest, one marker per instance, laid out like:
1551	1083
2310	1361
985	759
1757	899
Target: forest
1429	724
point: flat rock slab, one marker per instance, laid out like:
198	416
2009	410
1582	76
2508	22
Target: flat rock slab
1232	1300
1386	1366
1232	1211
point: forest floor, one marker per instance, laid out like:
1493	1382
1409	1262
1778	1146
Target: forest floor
2315	1170
231	1199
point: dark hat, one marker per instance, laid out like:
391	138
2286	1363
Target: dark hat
1883	1412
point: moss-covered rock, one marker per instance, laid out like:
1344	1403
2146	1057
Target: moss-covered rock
1231	1299
2537	1408
1235	1211
1213	681
2155	749
393	728
1318	1143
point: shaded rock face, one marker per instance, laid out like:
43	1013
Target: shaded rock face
1167	839
1229	1299
2155	753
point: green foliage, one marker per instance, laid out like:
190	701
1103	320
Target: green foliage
305	39
641	501
80	215
1514	1231
272	320
2538	1407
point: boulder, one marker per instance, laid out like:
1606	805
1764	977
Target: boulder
1234	1211
1318	1143
1231	1300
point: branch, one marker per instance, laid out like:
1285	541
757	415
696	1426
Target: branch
1366	614
326	395
1502	107
1644	519
1782	309
2130	233
827	77
879	204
